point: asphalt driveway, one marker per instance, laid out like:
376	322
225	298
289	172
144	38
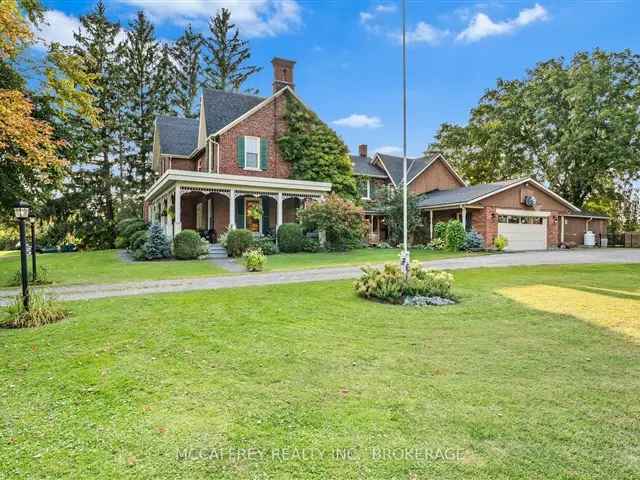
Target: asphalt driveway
552	257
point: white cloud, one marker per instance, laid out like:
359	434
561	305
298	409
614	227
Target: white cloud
256	18
423	33
389	150
482	26
357	120
386	8
366	17
57	27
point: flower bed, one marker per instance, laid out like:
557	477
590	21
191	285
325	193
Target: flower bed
422	286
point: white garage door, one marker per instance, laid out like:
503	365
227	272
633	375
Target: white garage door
523	230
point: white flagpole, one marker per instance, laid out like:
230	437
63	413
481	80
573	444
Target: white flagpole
405	245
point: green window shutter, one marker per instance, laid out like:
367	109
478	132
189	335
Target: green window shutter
240	218
264	153
240	151
266	230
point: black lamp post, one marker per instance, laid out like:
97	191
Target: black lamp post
34	271
21	211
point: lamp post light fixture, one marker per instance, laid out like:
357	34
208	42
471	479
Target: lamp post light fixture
21	211
34	270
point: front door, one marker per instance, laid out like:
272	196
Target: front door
252	219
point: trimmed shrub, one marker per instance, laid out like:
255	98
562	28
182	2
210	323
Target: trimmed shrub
254	259
238	241
390	285
455	235
439	230
311	245
290	238
138	239
266	244
127	228
500	242
42	311
157	246
121	243
473	241
188	245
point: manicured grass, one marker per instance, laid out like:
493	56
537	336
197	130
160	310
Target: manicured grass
104	266
362	256
522	386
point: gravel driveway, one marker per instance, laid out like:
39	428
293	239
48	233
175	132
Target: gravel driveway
552	257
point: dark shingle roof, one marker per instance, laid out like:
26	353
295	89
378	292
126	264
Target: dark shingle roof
178	136
363	166
221	108
414	165
461	195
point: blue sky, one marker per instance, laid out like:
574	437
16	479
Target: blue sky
349	57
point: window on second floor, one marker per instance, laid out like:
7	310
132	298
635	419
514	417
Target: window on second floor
364	188
252	153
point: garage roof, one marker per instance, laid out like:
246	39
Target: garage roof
462	195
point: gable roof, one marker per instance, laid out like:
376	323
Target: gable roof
221	108
475	193
178	136
462	195
363	166
415	166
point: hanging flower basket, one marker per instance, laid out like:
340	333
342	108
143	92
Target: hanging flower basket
255	212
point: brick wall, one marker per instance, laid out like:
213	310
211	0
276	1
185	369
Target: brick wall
266	123
553	229
485	223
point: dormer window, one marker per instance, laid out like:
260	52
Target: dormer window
251	153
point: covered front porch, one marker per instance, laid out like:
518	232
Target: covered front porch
212	204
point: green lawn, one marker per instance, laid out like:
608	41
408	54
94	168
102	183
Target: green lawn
105	266
535	375
363	256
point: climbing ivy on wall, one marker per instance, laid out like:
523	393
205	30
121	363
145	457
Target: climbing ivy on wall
315	151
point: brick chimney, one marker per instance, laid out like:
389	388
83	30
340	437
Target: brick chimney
362	150
282	73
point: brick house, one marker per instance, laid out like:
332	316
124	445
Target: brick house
224	169
531	216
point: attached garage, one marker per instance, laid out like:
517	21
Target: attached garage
525	230
528	214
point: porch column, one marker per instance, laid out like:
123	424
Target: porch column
232	209
464	218
430	225
279	211
562	229
177	202
209	203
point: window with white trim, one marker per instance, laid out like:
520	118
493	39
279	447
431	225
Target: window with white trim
364	186
252	153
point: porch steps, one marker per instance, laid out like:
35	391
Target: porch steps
217	251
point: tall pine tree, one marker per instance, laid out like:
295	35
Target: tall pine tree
186	57
148	79
226	55
96	44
